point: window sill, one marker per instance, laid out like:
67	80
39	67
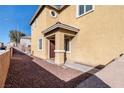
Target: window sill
39	50
68	52
78	16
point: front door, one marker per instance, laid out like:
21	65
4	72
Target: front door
52	48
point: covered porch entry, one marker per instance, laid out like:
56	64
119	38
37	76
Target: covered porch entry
59	36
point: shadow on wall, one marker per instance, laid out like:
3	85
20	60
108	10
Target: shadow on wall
24	73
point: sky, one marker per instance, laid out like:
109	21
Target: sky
15	17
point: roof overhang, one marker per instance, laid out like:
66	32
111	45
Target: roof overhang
40	9
59	25
36	14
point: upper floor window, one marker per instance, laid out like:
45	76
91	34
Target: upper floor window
84	9
53	13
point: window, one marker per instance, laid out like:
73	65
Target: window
88	7
67	45
53	13
84	9
81	9
40	44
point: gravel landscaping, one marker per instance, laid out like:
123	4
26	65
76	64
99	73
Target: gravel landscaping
25	73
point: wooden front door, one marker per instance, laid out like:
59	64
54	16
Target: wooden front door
52	48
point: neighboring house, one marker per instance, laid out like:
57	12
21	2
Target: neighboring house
86	34
25	43
1	45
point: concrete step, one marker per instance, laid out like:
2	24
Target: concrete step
51	61
80	67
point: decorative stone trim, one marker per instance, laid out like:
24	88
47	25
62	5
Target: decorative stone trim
59	51
60	25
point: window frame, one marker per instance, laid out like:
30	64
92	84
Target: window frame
69	47
54	12
41	45
77	11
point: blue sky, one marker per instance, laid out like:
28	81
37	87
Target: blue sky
12	17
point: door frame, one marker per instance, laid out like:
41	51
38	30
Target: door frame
49	49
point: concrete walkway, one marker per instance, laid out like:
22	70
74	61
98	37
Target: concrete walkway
110	76
81	67
113	73
63	73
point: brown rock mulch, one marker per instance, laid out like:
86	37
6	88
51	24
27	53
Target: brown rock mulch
24	73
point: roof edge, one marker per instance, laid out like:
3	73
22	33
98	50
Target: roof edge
60	25
36	14
40	8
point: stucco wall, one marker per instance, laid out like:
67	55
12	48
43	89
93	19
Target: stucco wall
4	66
43	21
100	38
101	34
36	34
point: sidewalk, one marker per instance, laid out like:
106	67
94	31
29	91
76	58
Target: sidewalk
113	74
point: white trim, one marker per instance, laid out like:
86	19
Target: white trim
59	51
77	11
38	44
54	12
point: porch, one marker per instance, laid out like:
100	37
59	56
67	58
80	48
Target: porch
59	36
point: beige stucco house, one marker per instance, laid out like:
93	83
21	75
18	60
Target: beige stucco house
86	34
